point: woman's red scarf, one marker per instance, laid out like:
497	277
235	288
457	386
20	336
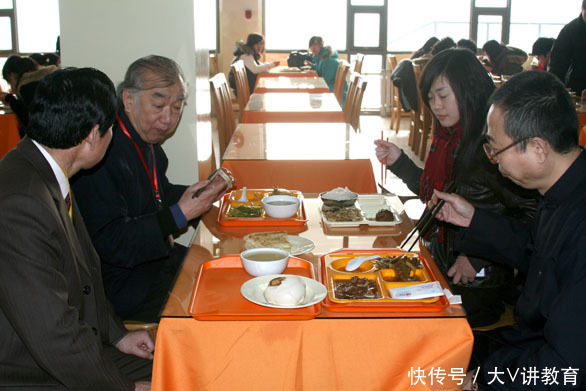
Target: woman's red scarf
439	165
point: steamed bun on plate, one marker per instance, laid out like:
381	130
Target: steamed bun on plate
286	291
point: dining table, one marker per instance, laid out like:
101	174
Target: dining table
9	136
292	107
309	84
581	111
284	70
365	350
310	157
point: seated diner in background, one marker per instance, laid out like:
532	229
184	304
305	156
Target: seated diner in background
541	52
503	60
456	88
324	59
532	136
23	75
129	206
249	52
57	329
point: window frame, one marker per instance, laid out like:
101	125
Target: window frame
11	14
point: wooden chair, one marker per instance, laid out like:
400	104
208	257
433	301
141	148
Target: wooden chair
224	113
213	64
425	121
242	87
396	110
341	75
350	97
415	118
358	63
354	100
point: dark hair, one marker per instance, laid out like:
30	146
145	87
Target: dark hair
426	48
493	49
316	39
19	65
166	71
472	87
542	46
468	44
253	39
45	59
537	104
442	44
68	103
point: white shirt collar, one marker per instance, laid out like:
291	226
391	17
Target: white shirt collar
57	170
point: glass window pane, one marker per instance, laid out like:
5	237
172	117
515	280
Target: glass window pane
366	30
529	22
489	27
38	25
6	4
290	28
5	33
367	2
407	34
491	3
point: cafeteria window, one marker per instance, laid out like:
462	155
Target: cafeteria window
28	26
290	28
411	23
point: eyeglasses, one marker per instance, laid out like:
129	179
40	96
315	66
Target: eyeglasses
492	153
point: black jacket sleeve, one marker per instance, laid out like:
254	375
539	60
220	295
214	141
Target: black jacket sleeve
408	171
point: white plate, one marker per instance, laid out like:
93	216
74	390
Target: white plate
299	245
253	290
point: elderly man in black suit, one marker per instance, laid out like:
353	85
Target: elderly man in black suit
57	329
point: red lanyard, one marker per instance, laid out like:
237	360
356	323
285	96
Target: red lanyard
153	176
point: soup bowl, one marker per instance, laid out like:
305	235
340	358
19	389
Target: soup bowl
280	206
262	261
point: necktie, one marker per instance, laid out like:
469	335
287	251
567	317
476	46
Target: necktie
68	204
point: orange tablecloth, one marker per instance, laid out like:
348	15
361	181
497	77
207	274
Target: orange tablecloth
292	107
308	176
9	136
320	354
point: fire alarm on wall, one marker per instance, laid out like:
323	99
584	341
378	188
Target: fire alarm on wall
248	14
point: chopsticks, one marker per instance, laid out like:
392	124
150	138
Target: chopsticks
427	219
383	166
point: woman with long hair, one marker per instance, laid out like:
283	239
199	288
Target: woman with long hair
249	52
456	87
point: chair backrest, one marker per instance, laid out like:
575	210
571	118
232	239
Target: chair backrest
391	61
350	97
224	113
341	74
242	87
358	63
357	104
354	100
213	64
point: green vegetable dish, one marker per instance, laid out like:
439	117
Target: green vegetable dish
245	211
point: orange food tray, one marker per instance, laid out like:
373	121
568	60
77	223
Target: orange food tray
216	295
255	197
331	270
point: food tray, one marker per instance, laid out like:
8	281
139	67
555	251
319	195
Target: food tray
255	197
369	205
216	295
332	269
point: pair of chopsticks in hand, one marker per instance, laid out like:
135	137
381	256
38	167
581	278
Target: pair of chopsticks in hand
427	219
383	166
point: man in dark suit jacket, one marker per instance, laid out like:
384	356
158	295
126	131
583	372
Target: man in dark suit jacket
57	329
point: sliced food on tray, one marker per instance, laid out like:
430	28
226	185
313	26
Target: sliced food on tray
276	239
342	207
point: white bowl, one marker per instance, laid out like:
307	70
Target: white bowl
280	211
261	268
